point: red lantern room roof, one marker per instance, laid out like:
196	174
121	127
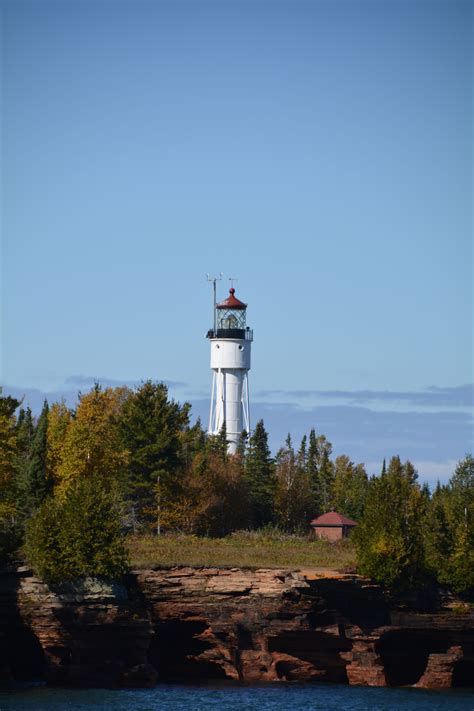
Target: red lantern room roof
231	302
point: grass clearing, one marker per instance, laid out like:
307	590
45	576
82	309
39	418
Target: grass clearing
247	549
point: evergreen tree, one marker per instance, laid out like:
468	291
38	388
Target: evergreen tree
320	470
78	535
218	444
312	469
260	477
242	445
193	440
25	430
37	484
437	534
389	538
302	453
152	428
325	473
450	534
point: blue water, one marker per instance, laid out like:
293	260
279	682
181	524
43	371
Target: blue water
167	697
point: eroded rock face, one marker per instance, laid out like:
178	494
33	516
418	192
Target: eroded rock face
89	633
240	625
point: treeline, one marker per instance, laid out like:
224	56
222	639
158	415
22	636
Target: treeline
73	482
407	537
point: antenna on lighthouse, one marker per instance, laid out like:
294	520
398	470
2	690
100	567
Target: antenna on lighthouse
213	280
232	279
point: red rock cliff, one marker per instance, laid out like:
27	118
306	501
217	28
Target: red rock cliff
242	625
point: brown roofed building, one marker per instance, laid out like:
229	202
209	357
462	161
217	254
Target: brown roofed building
332	526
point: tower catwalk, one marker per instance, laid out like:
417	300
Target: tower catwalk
231	341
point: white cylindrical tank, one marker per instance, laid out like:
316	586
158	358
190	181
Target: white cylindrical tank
230	341
230	353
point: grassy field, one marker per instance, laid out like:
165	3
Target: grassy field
241	549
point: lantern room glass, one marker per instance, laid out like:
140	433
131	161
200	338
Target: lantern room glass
231	319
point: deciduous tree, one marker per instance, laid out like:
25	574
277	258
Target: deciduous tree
92	442
293	490
59	420
9	525
349	487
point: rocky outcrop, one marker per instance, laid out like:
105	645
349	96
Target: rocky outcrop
88	633
241	625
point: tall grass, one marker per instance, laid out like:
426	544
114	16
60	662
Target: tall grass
267	548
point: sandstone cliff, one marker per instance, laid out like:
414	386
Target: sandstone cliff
242	625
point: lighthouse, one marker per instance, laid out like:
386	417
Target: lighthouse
230	340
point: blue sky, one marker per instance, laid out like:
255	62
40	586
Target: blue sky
320	151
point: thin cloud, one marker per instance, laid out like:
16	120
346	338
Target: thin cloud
431	396
366	435
88	381
34	397
433	441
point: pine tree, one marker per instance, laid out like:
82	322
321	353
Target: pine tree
312	469
450	539
152	428
193	440
37	484
79	534
320	469
389	538
438	536
242	445
260	477
325	472
218	444
25	430
302	453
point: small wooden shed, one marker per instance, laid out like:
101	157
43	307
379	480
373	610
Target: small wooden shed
332	526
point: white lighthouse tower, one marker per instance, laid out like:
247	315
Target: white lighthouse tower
231	340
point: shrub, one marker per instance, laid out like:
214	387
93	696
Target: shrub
77	536
10	537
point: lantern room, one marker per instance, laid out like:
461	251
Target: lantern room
231	315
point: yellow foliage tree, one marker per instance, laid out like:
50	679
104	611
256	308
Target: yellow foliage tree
92	443
9	533
59	420
8	451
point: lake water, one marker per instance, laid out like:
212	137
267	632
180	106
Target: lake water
284	697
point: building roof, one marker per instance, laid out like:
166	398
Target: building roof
231	302
332	518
